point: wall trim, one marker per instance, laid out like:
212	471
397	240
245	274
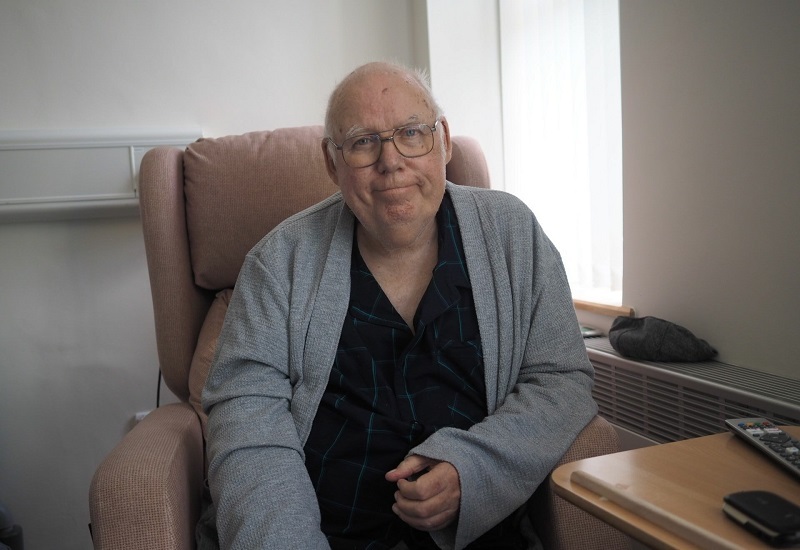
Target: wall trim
76	173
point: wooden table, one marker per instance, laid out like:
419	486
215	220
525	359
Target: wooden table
670	495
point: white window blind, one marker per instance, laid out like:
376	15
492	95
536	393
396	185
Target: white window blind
562	131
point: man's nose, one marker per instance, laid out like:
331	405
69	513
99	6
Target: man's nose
390	157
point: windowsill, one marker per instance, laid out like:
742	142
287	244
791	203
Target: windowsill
603	309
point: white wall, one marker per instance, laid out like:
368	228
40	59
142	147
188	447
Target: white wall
77	344
227	67
464	48
711	172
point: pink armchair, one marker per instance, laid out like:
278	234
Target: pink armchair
202	210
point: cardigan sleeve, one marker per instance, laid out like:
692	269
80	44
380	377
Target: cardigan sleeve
262	391
260	487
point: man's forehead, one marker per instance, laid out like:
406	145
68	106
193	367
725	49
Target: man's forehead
371	97
391	96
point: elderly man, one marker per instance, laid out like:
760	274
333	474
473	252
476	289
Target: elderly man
400	366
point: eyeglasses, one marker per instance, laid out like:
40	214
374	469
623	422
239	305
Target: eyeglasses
414	140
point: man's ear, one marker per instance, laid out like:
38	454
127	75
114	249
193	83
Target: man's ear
330	165
448	145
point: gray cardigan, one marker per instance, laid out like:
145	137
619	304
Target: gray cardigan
278	343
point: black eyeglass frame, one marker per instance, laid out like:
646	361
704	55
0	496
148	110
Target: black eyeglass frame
382	140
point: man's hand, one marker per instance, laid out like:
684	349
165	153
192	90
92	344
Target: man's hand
429	492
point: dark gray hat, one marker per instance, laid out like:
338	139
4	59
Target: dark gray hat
654	339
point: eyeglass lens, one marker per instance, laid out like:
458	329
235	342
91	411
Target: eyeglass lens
411	141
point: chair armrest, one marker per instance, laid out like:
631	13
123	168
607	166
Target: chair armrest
146	493
561	524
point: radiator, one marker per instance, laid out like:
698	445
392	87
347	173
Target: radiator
673	401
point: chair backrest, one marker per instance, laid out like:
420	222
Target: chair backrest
204	208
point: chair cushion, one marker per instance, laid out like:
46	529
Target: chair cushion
204	353
239	187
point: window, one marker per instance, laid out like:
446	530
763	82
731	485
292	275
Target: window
562	131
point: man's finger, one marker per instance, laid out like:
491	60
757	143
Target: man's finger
409	468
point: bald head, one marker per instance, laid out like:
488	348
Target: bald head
348	87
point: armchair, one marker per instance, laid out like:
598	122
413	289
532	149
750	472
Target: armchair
202	210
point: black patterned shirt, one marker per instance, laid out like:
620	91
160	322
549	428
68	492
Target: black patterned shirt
389	389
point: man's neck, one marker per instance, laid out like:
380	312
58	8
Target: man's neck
403	273
406	249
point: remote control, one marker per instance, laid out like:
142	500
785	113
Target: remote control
769	439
